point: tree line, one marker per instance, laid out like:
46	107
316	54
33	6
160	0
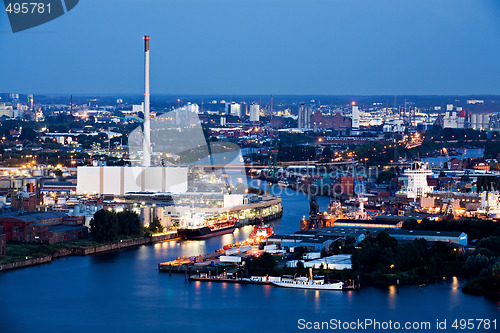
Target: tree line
109	226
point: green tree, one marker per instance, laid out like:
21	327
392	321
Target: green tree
326	154
410	224
155	226
491	243
299	269
129	223
104	226
385	176
386	241
28	134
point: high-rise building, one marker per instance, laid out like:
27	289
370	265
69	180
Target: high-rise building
254	113
193	108
235	109
305	113
355	117
243	109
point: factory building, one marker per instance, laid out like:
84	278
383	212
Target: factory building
305	113
42	227
450	237
339	262
120	180
480	121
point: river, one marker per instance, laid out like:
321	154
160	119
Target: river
464	154
124	292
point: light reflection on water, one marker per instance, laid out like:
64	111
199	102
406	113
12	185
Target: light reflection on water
455	292
123	291
392	296
317	300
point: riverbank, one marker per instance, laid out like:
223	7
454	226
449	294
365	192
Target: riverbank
36	254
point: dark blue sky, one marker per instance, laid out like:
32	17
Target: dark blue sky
260	47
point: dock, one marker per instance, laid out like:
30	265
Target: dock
254	280
203	263
226	279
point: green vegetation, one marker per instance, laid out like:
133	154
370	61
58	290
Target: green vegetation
263	265
483	269
296	153
15	251
155	226
382	259
474	228
108	226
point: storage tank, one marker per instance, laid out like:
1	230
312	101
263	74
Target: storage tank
473	120
17	183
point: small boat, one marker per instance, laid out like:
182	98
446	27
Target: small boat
317	283
283	183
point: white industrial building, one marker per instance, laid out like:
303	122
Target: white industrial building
339	261
136	108
118	180
304	119
393	126
454	120
480	121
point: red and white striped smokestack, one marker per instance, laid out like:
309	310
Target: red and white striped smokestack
146	156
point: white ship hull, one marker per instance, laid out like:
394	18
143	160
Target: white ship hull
307	285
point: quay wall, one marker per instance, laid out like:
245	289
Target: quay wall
82	251
25	263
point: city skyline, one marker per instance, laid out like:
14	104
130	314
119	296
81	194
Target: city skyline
293	47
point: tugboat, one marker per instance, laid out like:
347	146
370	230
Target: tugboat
260	233
199	226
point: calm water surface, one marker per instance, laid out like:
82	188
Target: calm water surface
123	292
464	154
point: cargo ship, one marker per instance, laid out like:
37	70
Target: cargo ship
200	226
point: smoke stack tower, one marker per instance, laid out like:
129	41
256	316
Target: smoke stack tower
146	156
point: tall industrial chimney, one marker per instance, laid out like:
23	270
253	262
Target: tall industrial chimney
146	156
